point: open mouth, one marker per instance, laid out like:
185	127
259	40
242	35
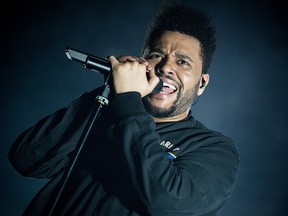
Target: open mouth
168	88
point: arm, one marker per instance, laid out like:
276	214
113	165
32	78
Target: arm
43	150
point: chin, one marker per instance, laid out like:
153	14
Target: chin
157	103
158	108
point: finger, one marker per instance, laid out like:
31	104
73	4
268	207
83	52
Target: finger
153	79
143	61
148	68
113	60
153	82
124	58
146	63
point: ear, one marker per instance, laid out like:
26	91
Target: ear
203	83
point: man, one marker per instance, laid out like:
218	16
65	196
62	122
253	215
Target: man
147	155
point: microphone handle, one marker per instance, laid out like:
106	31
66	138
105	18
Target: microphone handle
98	64
158	87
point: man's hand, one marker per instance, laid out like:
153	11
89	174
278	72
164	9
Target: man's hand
130	74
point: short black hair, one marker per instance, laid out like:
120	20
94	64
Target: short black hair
177	17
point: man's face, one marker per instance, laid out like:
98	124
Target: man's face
175	58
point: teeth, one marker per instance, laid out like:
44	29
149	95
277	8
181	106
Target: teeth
168	85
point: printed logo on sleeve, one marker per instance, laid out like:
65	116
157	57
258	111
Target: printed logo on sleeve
171	153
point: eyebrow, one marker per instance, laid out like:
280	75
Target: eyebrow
178	55
183	56
156	50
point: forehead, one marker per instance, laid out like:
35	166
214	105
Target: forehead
177	42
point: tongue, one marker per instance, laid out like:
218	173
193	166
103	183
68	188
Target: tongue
167	90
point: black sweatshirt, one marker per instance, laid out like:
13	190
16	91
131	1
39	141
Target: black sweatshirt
129	166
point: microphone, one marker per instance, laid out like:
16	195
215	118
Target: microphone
89	61
98	64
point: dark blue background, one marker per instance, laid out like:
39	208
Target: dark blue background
246	98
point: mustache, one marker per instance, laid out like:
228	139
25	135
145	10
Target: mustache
168	77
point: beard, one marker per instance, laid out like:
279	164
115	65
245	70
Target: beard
181	104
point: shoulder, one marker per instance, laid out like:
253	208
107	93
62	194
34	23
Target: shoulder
193	135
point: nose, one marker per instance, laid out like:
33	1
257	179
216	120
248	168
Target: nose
165	67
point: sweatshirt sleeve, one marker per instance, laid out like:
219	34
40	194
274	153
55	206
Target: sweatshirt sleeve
43	150
199	183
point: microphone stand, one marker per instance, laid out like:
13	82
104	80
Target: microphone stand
100	101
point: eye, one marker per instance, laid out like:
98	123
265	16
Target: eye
156	56
182	62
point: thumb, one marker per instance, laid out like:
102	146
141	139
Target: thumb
155	84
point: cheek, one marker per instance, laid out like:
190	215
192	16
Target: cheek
189	82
